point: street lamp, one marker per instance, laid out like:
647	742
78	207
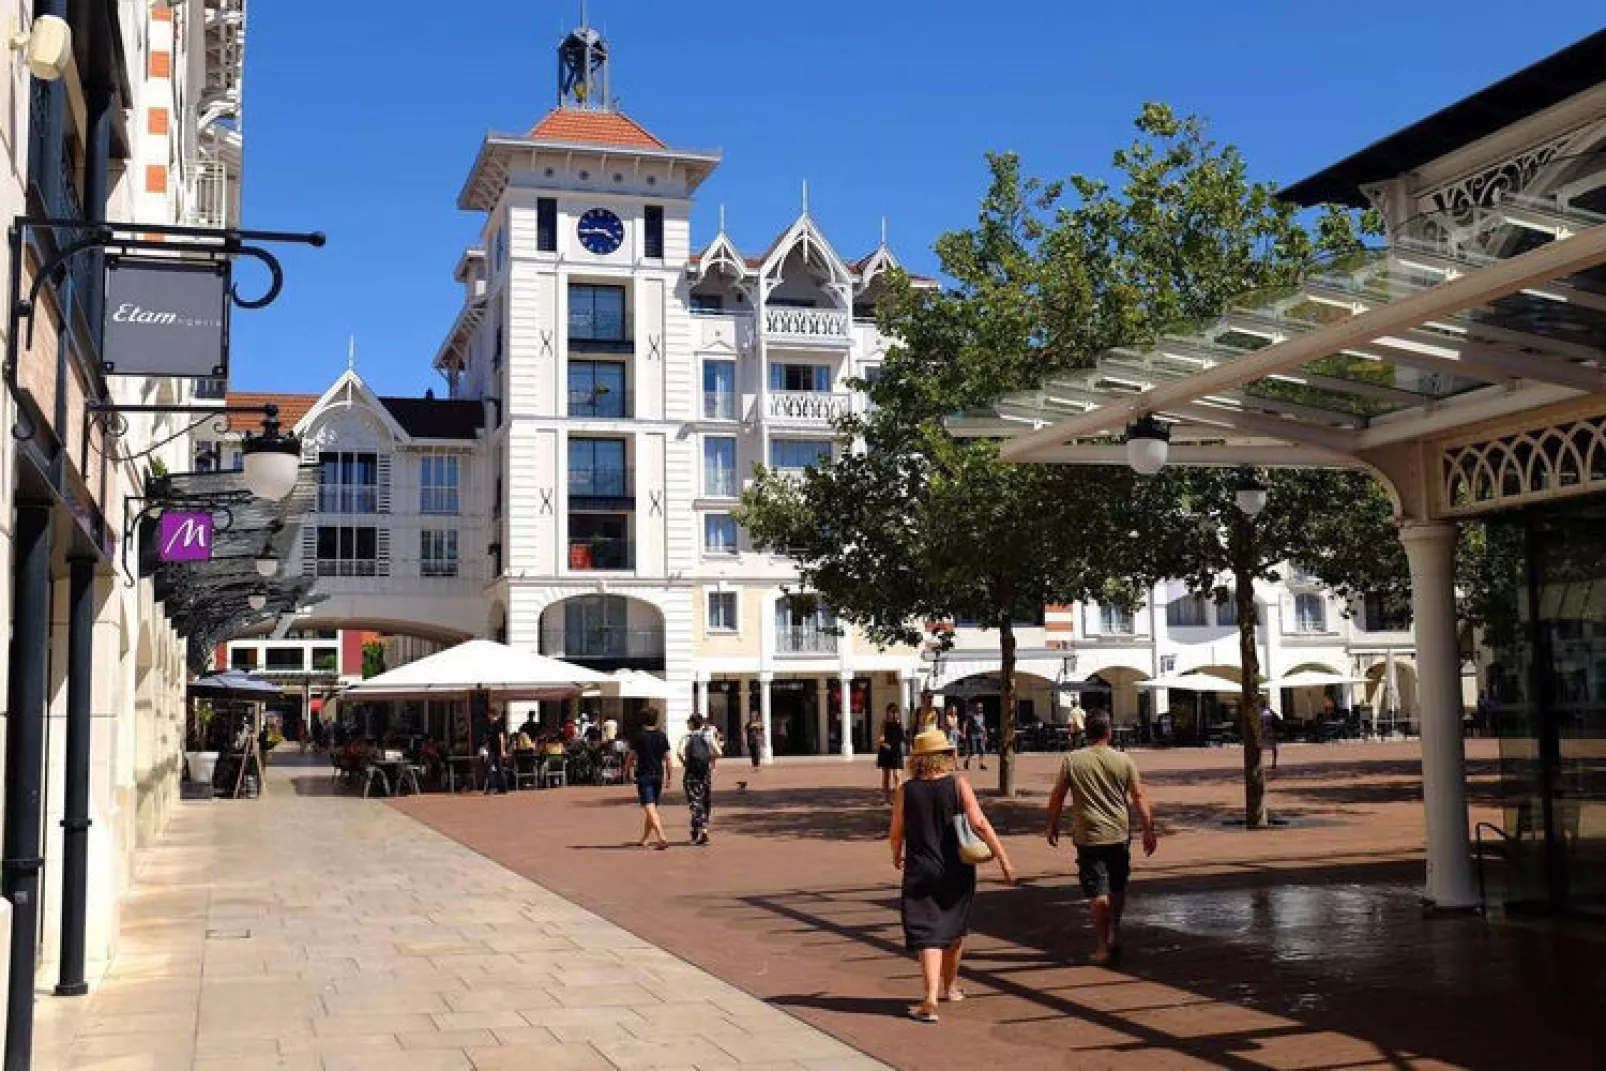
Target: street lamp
256	600
1147	443
272	459
1250	494
266	564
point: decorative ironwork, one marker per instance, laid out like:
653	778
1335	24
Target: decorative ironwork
1462	199
1541	463
817	325
808	407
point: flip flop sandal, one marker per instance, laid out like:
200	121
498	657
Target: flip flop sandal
954	996
922	1014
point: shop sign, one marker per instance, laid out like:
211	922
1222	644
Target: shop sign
166	318
186	536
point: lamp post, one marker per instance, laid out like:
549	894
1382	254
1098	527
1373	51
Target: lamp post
1249	496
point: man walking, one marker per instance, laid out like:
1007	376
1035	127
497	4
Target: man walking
650	764
1099	781
976	734
697	758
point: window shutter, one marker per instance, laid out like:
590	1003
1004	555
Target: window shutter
383	493
777	382
382	552
309	550
652	242
546	224
822	378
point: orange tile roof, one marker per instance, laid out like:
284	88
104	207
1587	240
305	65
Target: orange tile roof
292	407
601	128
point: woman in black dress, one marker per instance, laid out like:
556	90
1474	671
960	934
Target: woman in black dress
889	750
938	885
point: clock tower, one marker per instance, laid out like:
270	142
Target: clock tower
575	332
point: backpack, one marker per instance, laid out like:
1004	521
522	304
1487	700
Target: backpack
699	756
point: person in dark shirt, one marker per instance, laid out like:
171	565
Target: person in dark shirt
650	764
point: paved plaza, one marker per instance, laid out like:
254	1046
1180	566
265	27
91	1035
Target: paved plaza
308	931
1298	947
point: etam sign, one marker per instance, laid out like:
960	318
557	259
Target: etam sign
185	537
166	318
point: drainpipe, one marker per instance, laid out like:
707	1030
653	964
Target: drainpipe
25	756
75	821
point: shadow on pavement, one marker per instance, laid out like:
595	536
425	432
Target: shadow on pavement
1243	970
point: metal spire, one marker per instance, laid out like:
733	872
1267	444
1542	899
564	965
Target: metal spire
721	219
351	353
805	197
883	232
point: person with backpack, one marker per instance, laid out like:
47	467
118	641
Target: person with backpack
697	759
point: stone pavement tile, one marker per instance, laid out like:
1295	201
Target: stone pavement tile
600	996
420	1001
513	998
180	1022
264	1023
478	1020
1207	1019
419	1060
223	1047
801	1045
555	1057
341	1045
118	1002
449	1039
372	1023
304	1062
148	1061
131	1045
636	1053
1310	1050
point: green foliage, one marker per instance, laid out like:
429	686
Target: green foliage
373	659
912	526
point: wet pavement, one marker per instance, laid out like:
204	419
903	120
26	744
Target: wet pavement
1299	947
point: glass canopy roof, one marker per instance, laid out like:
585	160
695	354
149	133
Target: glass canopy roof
1500	325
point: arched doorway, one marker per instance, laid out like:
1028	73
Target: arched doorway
1315	703
602	632
1114	691
1034	698
1391	693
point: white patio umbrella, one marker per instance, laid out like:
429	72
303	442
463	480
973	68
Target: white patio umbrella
480	666
1312	678
1193	682
633	684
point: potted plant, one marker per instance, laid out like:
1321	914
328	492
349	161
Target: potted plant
199	760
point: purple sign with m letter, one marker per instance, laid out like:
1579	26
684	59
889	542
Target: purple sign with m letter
186	537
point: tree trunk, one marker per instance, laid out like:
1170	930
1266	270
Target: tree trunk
1006	715
1249	692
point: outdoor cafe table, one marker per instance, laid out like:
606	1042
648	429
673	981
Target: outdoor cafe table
465	763
398	774
1123	736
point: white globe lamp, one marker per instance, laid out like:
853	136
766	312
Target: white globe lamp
272	460
1148	443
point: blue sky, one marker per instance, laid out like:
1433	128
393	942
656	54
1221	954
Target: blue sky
364	124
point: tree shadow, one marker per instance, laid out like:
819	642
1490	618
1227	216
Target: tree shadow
1219	966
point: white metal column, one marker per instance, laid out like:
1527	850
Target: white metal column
764	682
1430	550
845	679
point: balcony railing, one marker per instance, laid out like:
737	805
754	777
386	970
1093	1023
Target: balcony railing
791	640
719	483
438	500
815	408
719	405
591	555
605	404
348	498
588	487
825	327
602	641
437	567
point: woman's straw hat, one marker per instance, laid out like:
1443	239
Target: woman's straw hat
932	742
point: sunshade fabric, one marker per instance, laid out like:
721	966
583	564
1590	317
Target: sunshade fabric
634	684
480	665
1193	682
232	684
1312	678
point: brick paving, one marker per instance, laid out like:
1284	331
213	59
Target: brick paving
309	931
1298	947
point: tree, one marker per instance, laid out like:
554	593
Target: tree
1336	524
373	659
912	525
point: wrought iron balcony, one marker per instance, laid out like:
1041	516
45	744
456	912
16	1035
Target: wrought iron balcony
581	344
598	554
808	408
348	498
792	640
809	327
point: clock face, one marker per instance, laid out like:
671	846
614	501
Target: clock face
600	231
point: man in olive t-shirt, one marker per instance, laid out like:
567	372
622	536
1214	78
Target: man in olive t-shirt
1099	780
